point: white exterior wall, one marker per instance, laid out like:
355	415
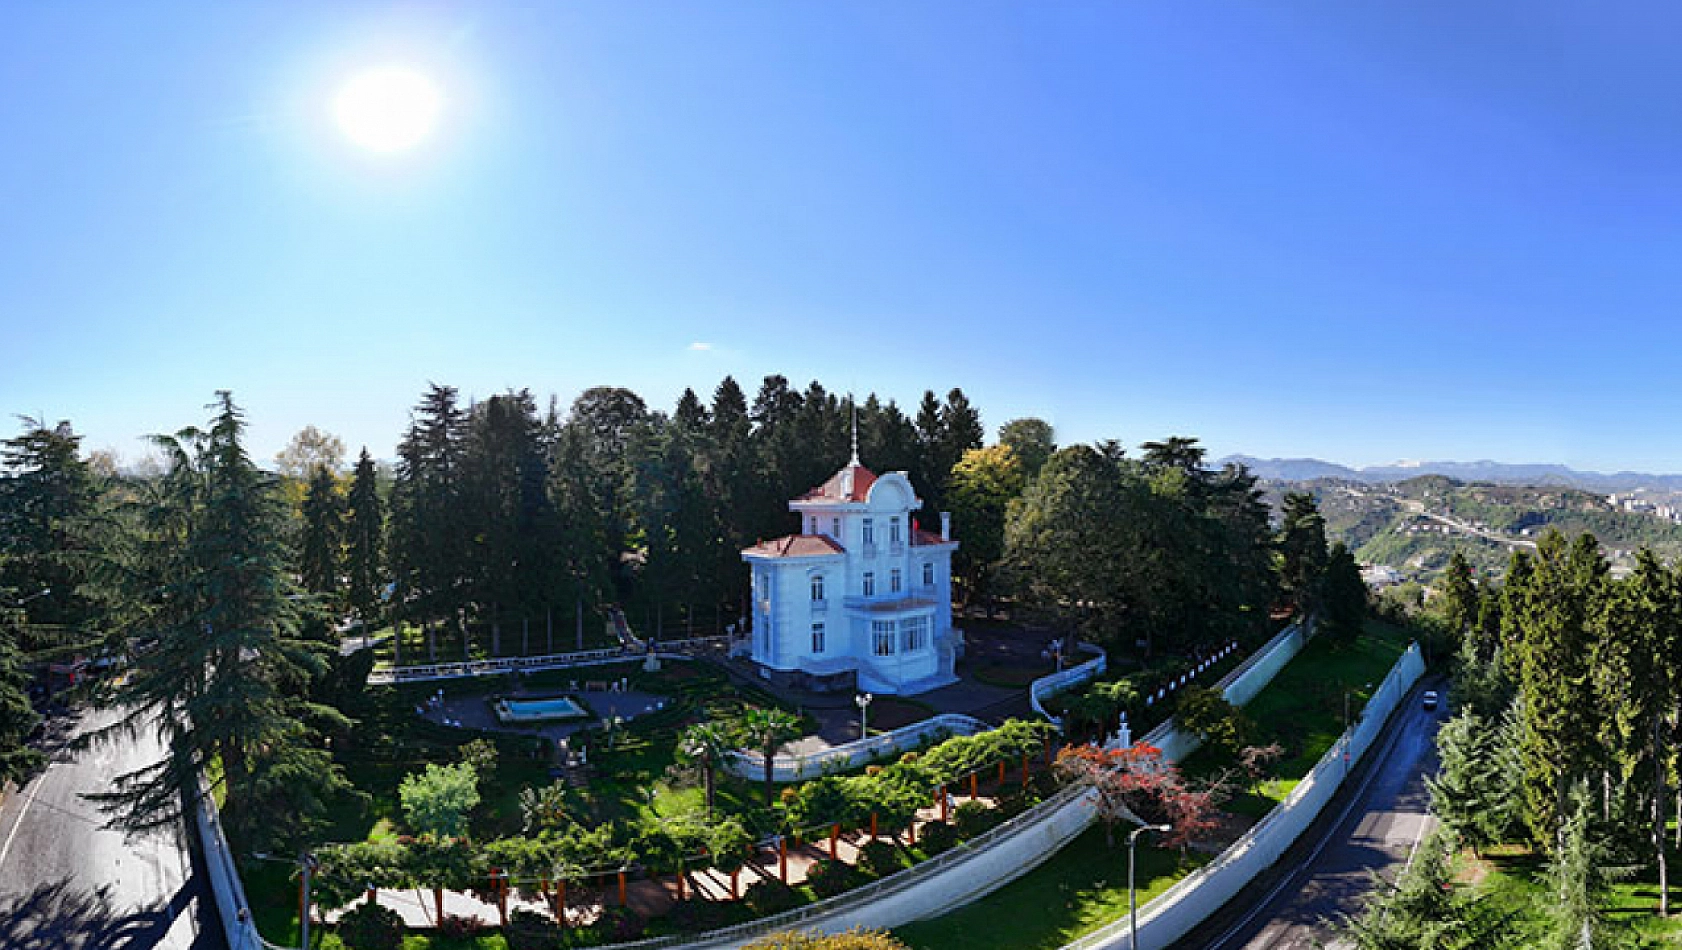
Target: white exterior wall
849	630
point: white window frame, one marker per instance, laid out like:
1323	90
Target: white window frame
894	581
818	636
817	588
869	584
882	637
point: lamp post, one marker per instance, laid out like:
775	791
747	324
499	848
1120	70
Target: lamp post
307	865
862	701
1132	896
35	596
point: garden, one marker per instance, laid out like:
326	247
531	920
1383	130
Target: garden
461	838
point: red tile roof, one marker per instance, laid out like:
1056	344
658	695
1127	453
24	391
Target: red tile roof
919	538
797	545
863	478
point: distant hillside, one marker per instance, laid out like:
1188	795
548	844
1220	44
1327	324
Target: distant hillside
1302	469
1414	525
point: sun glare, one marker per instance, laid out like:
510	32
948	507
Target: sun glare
388	109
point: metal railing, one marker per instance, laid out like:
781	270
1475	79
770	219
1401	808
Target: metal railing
665	649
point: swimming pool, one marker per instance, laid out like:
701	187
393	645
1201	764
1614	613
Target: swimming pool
539	710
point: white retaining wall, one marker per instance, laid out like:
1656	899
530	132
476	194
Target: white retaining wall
1239	687
794	768
225	884
1193	898
1044	687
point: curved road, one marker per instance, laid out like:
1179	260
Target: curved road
1374	832
68	883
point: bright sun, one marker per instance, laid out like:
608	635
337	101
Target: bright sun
388	109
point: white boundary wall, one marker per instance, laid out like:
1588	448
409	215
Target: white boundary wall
1239	687
225	884
1193	898
1044	687
794	768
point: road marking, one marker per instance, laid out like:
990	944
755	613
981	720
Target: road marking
28	800
1354	799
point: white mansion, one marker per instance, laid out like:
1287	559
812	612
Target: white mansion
862	598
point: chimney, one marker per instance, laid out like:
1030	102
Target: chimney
946	526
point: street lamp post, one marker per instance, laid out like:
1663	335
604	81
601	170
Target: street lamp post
1132	895
35	596
862	701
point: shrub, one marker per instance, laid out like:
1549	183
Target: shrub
530	930
696	916
371	927
937	836
829	878
618	925
879	857
457	927
770	896
972	818
855	939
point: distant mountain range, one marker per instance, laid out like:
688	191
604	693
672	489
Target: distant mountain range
1302	470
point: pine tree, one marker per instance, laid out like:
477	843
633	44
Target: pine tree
1550	603
320	556
1345	596
1637	647
46	488
1476	789
1302	551
200	576
17	717
428	540
365	531
1459	595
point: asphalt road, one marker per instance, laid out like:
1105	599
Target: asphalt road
1385	819
68	883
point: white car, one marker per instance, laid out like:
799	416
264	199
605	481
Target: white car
1430	699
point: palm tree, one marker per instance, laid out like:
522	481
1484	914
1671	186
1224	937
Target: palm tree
706	744
768	729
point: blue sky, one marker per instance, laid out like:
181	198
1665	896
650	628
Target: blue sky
1329	229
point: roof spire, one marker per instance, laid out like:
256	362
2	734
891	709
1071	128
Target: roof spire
855	407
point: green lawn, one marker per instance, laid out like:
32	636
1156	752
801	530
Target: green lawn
1302	710
1080	889
1515	893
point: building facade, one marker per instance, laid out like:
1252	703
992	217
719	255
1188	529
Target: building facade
861	598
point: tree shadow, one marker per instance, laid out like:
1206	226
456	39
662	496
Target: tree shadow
61	916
